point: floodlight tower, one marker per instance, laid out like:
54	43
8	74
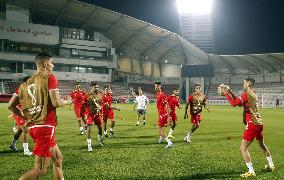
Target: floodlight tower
196	23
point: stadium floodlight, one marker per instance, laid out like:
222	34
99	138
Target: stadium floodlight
194	6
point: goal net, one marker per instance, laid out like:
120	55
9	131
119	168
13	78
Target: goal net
270	100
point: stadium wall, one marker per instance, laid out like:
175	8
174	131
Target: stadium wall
171	70
125	66
150	80
80	77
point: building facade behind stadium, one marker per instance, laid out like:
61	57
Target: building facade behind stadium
90	43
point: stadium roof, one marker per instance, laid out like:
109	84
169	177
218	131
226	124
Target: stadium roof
131	37
135	38
255	63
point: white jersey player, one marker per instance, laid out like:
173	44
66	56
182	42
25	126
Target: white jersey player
141	101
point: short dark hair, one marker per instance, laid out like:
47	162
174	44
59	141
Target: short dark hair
107	87
94	83
43	55
136	93
158	83
77	83
251	80
176	89
197	84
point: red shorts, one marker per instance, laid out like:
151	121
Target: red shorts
79	111
195	118
253	131
108	115
173	116
163	120
93	119
19	121
43	136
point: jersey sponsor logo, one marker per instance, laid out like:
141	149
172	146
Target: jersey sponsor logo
31	92
34	110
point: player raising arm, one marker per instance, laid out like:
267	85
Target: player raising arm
253	121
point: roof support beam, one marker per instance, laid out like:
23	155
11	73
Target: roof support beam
162	56
250	66
227	64
33	8
128	40
62	12
155	44
113	24
84	23
161	67
183	53
276	59
210	63
265	64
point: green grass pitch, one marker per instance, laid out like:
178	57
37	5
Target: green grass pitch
134	154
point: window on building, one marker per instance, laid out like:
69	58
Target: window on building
89	70
101	70
2	6
61	68
82	70
5	67
19	67
89	35
74	69
29	66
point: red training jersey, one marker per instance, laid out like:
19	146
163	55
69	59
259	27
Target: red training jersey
243	100
173	102
106	101
77	96
161	98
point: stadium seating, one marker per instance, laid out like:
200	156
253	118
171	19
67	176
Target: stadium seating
149	90
119	89
124	91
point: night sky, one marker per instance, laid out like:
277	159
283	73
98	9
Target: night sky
240	26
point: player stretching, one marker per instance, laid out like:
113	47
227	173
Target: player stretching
141	100
77	95
163	113
253	121
173	101
93	102
39	97
195	101
107	111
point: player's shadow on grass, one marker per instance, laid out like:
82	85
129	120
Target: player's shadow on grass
212	175
125	125
121	145
138	137
199	139
9	153
219	132
136	144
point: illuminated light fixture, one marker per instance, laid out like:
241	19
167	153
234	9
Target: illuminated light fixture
166	61
194	6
